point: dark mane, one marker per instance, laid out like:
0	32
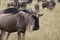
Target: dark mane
14	10
11	10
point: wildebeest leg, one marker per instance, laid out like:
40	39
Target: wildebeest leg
2	34
7	36
19	35
23	36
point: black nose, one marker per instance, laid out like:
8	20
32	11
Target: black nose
36	28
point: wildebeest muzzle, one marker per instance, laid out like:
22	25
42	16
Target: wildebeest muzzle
36	24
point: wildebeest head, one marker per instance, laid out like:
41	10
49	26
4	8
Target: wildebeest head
36	24
36	18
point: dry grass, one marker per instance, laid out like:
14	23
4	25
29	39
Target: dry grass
49	25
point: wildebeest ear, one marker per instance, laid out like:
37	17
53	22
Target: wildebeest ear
39	15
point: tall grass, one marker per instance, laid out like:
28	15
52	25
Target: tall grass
49	25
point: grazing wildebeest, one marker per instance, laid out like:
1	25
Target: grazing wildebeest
37	8
15	23
49	4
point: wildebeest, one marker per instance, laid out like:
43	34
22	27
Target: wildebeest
30	11
49	4
15	23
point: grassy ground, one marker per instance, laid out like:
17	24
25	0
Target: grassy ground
49	25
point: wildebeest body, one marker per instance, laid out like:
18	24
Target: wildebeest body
15	23
9	23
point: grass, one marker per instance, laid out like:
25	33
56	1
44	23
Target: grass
49	25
